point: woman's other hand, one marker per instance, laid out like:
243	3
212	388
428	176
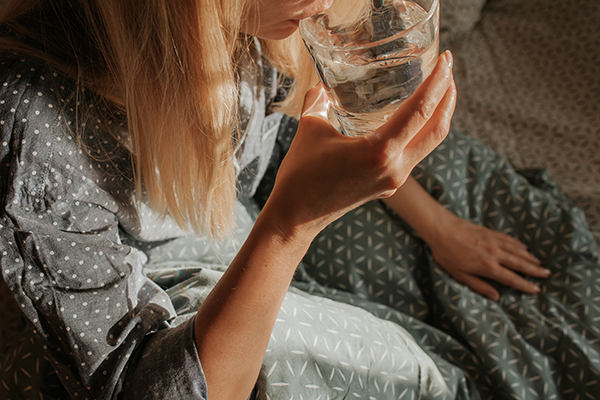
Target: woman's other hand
470	253
325	174
473	254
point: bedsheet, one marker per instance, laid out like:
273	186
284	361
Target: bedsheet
528	80
372	316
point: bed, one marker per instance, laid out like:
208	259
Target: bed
528	80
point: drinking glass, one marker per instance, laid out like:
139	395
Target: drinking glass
371	55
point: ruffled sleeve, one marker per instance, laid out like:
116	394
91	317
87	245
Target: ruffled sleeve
83	292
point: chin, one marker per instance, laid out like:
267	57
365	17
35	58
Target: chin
280	32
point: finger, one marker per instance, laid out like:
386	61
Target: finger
479	286
436	129
412	115
509	278
517	257
516	247
316	103
522	263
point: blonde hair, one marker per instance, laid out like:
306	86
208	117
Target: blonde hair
291	57
171	66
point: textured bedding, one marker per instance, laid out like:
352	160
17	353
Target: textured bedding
372	316
528	77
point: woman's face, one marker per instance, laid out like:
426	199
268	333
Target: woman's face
278	19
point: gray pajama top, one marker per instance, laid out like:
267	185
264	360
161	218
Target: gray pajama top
69	228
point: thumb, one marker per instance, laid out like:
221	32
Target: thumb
316	103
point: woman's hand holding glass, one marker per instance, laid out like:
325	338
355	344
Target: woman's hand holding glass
325	174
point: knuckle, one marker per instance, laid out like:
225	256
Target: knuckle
425	108
387	193
392	182
494	271
443	128
383	163
492	251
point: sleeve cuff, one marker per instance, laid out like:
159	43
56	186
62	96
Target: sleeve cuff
166	367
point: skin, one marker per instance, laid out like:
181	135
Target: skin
316	184
323	176
469	252
278	19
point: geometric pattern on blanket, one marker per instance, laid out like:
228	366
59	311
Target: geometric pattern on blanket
524	346
528	80
324	349
372	316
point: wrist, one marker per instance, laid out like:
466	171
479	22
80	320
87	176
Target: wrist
435	223
422	212
280	225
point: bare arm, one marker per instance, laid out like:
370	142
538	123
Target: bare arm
467	251
324	175
235	321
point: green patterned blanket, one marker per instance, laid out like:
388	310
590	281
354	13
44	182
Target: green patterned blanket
371	316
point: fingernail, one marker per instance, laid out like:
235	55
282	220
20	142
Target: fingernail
449	58
547	272
536	289
493	296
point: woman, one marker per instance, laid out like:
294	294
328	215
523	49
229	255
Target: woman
119	123
159	64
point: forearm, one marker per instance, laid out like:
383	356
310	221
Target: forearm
234	324
421	211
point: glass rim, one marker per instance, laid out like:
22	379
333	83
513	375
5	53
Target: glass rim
433	9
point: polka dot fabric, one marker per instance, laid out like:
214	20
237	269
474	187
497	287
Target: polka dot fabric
528	81
74	240
83	292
